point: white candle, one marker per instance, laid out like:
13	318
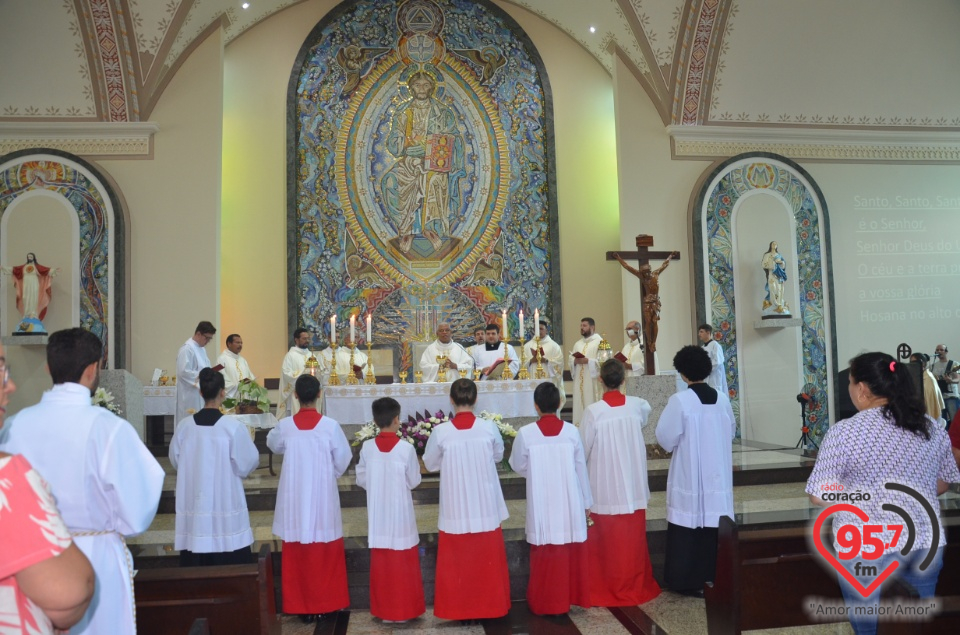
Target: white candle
536	322
333	329
521	326
353	328
369	330
506	335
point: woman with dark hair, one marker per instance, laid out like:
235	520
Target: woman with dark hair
698	427
890	440
212	455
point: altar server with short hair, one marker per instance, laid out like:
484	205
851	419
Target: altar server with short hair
472	580
316	453
389	470
549	454
491	357
620	574
717	379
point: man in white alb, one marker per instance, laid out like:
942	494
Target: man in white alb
343	362
293	364
106	483
489	358
632	352
236	370
191	359
583	368
718	376
480	338
552	361
457	358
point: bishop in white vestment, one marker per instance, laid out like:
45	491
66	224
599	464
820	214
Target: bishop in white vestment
583	368
191	359
457	357
235	366
486	357
632	351
293	364
718	376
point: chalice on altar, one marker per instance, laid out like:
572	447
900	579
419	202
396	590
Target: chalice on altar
418	377
476	374
403	376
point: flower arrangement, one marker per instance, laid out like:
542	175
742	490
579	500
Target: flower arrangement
104	398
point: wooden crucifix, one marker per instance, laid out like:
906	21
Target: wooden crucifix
649	289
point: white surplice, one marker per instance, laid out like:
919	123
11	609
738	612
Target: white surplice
191	359
584	375
388	478
471	500
454	352
700	480
634	354
617	455
308	500
483	358
293	364
211	463
718	377
343	361
105	482
235	370
552	363
558	489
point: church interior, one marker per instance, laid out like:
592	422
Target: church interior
236	162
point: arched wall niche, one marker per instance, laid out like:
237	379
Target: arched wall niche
97	249
744	203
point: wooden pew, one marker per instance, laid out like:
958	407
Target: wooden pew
234	599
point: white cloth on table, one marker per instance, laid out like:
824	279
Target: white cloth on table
617	455
634	354
700	480
718	377
454	352
211	463
388	478
471	500
191	359
104	480
308	499
293	364
343	361
483	358
558	488
584	375
235	370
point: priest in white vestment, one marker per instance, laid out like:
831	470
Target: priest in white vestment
552	359
491	357
360	362
105	481
293	364
632	352
457	358
480	338
583	368
718	376
190	360
235	368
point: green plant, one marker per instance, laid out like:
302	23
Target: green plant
249	393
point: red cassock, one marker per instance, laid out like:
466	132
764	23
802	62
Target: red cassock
473	581
620	570
559	578
314	577
396	585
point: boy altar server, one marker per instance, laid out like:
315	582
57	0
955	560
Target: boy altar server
316	453
472	580
550	456
620	573
388	470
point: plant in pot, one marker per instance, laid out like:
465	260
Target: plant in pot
252	399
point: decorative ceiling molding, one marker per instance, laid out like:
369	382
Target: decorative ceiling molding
84	139
851	146
701	38
653	82
107	35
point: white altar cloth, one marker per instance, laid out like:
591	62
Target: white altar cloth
351	404
159	400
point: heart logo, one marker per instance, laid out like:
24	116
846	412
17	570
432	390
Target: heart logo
832	560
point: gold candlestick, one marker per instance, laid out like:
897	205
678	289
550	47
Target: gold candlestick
523	373
351	376
371	378
442	371
506	375
539	373
334	379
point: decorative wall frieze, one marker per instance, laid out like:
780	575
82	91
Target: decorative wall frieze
84	139
856	146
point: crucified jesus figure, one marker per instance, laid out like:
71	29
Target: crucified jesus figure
650	281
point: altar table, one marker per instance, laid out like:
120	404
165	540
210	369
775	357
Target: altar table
159	400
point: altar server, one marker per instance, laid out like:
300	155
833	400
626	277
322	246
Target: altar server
698	427
388	470
212	454
360	362
490	357
632	352
457	357
583	368
236	370
552	361
316	453
620	573
472	580
105	481
549	454
718	376
293	364
191	358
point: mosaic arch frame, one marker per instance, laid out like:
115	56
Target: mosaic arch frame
101	235
459	232
713	242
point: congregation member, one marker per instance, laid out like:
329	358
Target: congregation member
293	364
550	456
612	429
889	440
457	358
491	357
698	427
105	481
480	338
717	379
190	360
944	370
342	364
932	397
472	579
551	359
632	352
236	370
212	454
583	368
307	517
955	439
388	470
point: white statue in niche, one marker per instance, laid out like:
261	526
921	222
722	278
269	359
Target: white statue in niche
774	268
33	284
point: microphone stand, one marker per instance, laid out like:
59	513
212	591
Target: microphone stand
805	439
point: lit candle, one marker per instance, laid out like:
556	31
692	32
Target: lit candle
353	328
536	322
333	329
521	326
369	329
506	336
